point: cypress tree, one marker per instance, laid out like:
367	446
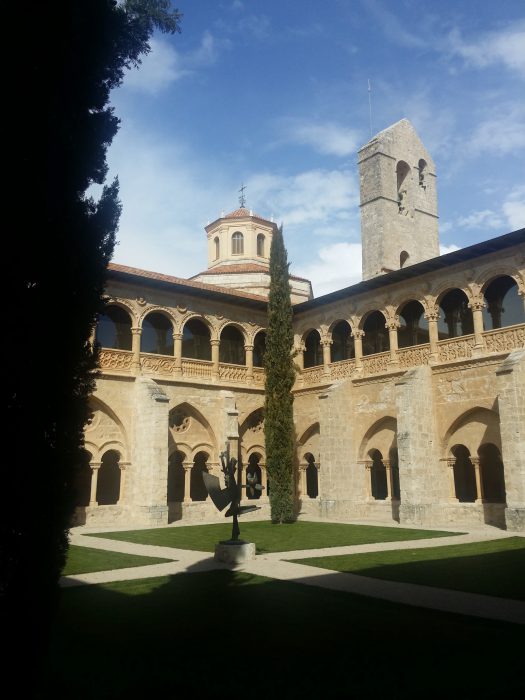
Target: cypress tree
280	375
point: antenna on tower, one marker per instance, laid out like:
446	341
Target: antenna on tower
370	105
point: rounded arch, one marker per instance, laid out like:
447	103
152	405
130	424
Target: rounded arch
175	485
198	491
157	309
492	473
114	327
472	428
381	435
232	341
376	338
503	304
455	319
258	450
343	346
108	481
313	430
196	338
259	348
413	326
217	247
254	476
237	243
313	352
157	333
422	172
464	474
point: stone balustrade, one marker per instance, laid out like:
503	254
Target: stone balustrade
502	340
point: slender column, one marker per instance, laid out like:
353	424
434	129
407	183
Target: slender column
122	466
368	467
135	347
326	356
264	480
479	480
177	352
477	315
389	484
433	336
187	481
95	466
522	295
451	461
215	357
358	345
241	475
392	337
249	361
302	479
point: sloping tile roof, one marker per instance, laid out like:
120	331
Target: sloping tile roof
147	274
240	268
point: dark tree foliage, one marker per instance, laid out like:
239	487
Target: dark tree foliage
280	375
59	243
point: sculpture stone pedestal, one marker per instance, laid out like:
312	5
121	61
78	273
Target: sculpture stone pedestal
234	551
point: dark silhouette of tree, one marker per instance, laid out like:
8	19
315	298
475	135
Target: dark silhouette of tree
55	257
280	375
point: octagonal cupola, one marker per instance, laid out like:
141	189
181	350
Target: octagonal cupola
241	237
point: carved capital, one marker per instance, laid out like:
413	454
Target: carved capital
476	305
215	343
358	334
136	331
248	347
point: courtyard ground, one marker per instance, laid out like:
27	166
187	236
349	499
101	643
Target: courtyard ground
288	629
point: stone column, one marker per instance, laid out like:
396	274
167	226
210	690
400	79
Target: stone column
187	466
392	337
264	480
326	343
95	466
477	315
122	466
177	352
302	480
389	484
215	357
451	461
368	479
479	480
249	361
433	336
135	347
358	345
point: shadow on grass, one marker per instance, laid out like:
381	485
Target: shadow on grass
224	632
499	573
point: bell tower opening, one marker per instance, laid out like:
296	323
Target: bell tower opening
398	201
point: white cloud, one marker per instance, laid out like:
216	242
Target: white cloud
336	266
392	27
328	138
480	219
444	249
164	65
505	46
502	133
514	208
308	197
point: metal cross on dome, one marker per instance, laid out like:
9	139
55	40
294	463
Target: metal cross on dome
242	198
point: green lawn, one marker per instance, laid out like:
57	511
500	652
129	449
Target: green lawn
272	538
226	633
495	567
84	560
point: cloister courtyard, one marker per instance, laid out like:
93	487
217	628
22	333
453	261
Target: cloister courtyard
325	609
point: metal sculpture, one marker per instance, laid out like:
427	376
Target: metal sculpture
230	495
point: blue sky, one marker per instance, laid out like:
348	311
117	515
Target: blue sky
273	94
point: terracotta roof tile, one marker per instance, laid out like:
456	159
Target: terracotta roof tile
240	268
114	267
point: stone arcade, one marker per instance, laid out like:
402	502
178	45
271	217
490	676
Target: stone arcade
410	392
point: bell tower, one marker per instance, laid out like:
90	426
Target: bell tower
399	221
